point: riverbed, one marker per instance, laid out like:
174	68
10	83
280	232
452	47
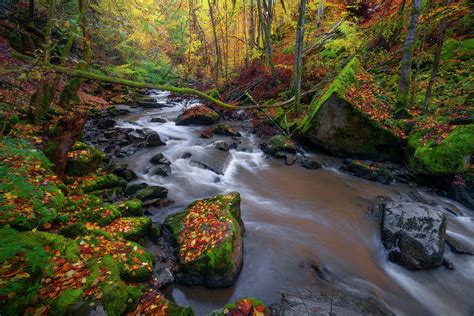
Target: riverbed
297	218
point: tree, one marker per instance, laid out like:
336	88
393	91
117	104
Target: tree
265	16
407	59
437	59
299	44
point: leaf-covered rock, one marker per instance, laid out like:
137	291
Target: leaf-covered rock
83	159
197	115
208	238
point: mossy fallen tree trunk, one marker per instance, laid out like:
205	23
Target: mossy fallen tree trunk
141	85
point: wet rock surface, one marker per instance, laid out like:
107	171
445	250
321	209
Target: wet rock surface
414	234
326	298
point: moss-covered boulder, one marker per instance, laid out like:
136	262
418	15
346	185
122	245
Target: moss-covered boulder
208	238
131	228
452	155
335	124
278	146
130	207
102	215
197	115
247	306
43	273
104	182
30	193
134	262
150	193
83	159
153	302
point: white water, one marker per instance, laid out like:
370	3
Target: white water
295	217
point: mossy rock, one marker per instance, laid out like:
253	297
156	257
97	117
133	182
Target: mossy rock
131	228
218	260
108	181
30	193
151	193
36	256
197	115
103	215
335	124
247	306
82	160
450	156
135	264
130	207
278	146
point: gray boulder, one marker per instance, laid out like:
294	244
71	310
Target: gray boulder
414	234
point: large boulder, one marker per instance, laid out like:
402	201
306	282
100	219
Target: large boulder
414	234
197	115
208	239
278	146
335	124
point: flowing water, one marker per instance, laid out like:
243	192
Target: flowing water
295	218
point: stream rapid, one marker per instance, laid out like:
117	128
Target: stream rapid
296	218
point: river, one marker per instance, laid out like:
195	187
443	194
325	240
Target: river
296	218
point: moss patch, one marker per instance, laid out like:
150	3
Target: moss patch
345	79
30	193
450	156
83	159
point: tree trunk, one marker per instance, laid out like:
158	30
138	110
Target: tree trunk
251	26
437	60
31	11
42	98
69	94
407	59
265	17
244	26
216	42
299	44
320	13
63	137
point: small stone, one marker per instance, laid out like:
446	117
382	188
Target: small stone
159	159
158	120
290	159
222	146
153	140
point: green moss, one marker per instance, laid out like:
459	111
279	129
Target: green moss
453	49
232	307
140	226
18	160
103	215
176	310
345	79
87	160
134	294
60	305
115	292
451	156
150	193
107	181
130	207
